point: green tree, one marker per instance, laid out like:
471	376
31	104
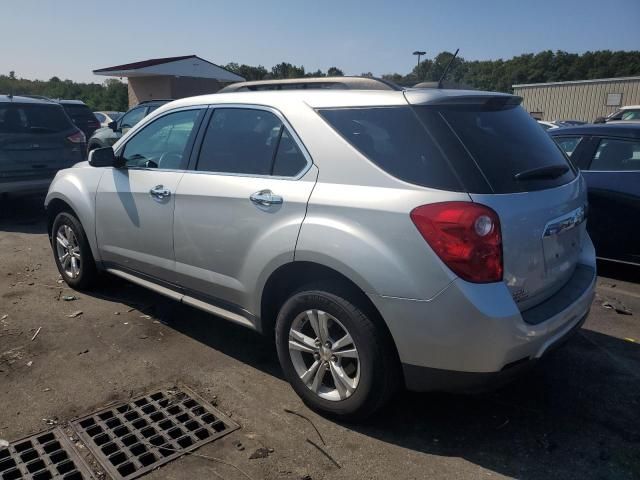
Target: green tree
334	72
287	70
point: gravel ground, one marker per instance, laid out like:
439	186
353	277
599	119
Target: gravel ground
577	415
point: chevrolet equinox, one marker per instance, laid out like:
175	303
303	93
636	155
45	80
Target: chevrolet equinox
427	238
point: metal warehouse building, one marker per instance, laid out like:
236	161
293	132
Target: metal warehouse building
583	100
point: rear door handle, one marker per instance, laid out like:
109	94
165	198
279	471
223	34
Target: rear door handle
160	192
265	198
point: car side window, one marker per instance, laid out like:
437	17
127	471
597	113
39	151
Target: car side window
631	115
162	143
249	141
289	160
132	117
616	155
568	144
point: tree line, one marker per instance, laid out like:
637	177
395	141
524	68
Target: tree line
497	75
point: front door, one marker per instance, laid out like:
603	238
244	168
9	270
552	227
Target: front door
240	207
135	203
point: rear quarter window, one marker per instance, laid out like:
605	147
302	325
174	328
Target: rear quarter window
394	140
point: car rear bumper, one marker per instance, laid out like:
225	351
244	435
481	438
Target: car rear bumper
423	379
473	334
26	186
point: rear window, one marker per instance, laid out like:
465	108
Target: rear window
502	140
33	118
80	113
477	148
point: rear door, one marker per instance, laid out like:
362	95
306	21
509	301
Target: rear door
135	203
240	206
612	172
511	165
36	140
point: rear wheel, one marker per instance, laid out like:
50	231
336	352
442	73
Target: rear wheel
337	359
72	252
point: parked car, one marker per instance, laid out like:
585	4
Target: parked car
547	125
107	136
37	139
105	118
81	115
568	123
431	238
559	123
625	114
609	157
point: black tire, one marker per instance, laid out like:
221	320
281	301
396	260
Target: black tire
87	266
379	368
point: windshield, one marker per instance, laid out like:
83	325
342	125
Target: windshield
33	119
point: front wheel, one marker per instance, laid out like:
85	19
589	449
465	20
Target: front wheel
72	252
336	358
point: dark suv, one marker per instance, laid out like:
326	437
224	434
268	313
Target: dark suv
37	138
107	136
81	115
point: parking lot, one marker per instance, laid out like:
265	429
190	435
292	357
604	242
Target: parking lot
575	416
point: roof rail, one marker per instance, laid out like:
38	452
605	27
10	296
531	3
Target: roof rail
337	83
156	100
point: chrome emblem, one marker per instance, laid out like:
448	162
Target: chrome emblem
565	222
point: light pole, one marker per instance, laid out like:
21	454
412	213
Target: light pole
419	54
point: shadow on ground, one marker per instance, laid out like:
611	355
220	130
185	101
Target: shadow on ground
576	415
22	214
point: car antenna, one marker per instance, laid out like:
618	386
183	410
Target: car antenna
446	70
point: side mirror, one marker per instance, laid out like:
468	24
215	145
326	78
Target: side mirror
104	157
113	126
599	120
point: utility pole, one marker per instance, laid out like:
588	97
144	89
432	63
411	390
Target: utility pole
419	54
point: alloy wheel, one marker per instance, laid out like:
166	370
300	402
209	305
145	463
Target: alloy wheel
68	251
324	355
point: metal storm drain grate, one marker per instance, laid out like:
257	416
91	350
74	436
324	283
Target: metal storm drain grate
40	457
131	439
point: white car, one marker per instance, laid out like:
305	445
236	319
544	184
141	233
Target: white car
547	125
105	118
628	113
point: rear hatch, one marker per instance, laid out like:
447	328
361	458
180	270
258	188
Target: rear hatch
507	162
34	141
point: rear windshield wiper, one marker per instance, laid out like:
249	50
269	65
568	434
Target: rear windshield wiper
549	171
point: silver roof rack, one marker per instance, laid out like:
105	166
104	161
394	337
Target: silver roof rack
335	83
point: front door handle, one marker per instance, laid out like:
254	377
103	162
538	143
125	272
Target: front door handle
159	192
265	198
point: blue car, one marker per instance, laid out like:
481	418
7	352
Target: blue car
609	157
37	138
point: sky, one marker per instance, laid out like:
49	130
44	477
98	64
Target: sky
69	38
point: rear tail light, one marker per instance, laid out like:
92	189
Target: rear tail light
466	236
77	137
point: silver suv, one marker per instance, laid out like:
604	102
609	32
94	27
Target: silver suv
428	238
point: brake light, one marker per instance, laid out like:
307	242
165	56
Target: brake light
466	236
77	137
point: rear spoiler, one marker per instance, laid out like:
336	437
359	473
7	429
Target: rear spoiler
460	97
